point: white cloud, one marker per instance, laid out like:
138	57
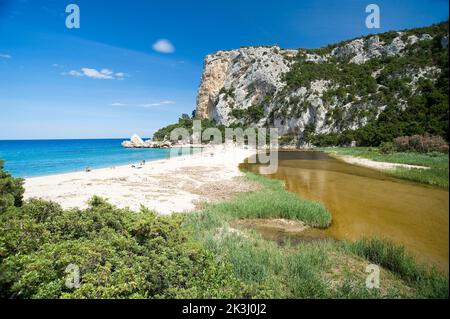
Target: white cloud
104	74
159	103
75	73
5	56
163	46
167	102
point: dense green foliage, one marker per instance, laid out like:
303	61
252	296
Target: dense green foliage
184	123
120	254
252	114
382	83
187	123
124	254
287	139
11	189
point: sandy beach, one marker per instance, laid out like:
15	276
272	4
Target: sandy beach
381	166
176	184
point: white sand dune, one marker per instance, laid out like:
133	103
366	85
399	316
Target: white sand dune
169	185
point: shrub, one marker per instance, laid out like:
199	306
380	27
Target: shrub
321	140
11	190
120	254
401	143
386	148
287	139
421	143
250	115
186	123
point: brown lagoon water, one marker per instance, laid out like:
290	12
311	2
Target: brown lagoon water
367	203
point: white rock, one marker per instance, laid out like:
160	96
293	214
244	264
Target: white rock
137	140
426	37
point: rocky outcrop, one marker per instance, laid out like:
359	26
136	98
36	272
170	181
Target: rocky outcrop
240	78
137	142
253	78
213	79
360	51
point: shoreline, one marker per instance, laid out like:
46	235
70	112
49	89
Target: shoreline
376	165
174	184
381	166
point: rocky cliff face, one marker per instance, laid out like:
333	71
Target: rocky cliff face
240	78
328	90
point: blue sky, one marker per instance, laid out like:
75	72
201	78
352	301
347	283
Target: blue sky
107	80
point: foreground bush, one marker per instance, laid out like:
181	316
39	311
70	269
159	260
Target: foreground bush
120	254
11	189
124	254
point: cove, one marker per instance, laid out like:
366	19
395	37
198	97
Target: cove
368	203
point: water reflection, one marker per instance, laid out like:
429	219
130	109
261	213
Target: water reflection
365	202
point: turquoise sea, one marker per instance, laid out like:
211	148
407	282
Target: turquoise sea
27	158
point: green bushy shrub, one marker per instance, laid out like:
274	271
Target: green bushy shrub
386	148
421	143
120	254
11	190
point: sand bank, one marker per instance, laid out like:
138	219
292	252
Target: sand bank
374	164
175	184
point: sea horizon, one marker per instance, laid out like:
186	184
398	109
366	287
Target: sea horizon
43	157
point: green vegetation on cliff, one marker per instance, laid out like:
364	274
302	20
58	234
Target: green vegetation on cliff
184	123
381	90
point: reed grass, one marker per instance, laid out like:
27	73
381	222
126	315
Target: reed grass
318	269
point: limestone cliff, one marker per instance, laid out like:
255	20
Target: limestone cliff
339	87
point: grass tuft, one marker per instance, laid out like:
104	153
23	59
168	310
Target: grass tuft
317	269
429	284
274	201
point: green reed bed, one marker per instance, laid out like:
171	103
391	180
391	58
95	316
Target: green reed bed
318	269
273	201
